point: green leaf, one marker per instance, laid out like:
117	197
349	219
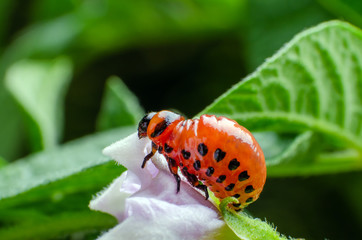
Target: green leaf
288	155
285	154
57	163
246	227
39	88
279	148
61	206
47	194
314	83
300	156
120	106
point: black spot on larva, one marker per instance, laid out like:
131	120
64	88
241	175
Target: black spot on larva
172	162
236	196
221	178
243	176
197	165
230	187
190	177
160	149
185	154
249	189
210	171
234	164
249	200
168	149
219	155
202	149
238	210
181	165
160	127
236	205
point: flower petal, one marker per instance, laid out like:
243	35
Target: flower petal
130	153
145	201
149	218
111	200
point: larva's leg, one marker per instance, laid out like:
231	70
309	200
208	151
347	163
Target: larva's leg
178	181
148	156
195	182
203	188
173	169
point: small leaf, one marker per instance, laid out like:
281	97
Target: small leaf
120	106
246	227
39	88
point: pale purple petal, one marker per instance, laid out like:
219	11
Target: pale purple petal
111	200
130	153
149	218
145	201
131	183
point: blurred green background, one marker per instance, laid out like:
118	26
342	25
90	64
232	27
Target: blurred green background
180	55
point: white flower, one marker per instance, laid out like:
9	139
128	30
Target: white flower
145	201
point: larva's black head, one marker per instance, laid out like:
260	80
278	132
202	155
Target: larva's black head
143	125
157	125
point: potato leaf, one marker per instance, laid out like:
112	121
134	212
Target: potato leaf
312	84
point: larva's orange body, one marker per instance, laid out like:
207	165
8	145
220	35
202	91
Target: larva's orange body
217	151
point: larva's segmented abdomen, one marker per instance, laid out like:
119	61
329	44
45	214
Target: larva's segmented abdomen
220	153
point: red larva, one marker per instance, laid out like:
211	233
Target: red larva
217	151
